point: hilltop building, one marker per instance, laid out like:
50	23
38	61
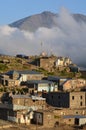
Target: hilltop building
51	62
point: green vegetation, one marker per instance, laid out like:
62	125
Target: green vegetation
3	67
56	117
42	70
13	63
14	90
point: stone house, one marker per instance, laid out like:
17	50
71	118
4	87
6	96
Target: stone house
5	80
52	62
14	78
34	102
72	84
37	86
77	120
30	75
57	80
19	108
46	118
54	117
68	111
46	62
63	61
66	99
16	113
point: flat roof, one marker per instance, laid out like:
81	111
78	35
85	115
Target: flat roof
27	96
39	82
23	72
29	72
57	77
74	116
20	96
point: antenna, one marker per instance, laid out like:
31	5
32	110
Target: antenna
43	53
51	52
41	46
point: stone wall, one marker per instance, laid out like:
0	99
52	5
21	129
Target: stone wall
28	102
35	76
77	99
47	63
74	83
66	99
58	99
46	117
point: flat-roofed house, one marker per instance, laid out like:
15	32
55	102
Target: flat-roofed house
40	86
5	80
14	78
58	81
66	99
77	120
30	75
19	108
47	118
72	84
63	61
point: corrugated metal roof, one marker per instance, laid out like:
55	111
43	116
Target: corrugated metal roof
57	77
28	72
23	72
39	81
74	116
11	72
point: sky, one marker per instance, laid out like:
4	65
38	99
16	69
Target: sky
12	10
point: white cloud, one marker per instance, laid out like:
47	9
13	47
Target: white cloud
68	39
6	30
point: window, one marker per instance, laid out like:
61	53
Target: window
76	112
39	116
72	97
59	104
52	96
59	97
80	103
80	97
69	119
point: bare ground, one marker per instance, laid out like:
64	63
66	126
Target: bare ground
32	127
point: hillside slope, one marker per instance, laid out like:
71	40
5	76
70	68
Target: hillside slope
44	19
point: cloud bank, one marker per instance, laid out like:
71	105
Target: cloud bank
67	39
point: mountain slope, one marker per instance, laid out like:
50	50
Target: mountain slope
31	23
45	19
